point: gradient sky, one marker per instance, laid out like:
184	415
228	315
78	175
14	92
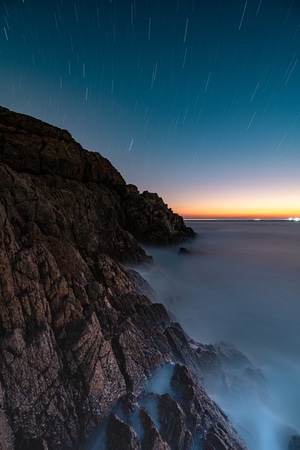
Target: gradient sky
198	100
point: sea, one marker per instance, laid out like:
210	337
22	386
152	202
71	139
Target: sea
239	283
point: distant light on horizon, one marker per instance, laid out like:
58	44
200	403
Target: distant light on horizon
187	99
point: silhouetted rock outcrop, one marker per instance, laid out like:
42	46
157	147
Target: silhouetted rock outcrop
79	335
150	220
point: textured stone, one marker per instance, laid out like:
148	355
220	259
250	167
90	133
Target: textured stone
207	423
78	332
121	436
151	221
172	420
152	439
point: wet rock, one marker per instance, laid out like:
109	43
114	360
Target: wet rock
120	436
182	350
173	423
152	440
207	423
182	417
208	360
183	251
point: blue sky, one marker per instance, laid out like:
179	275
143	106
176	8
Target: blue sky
197	100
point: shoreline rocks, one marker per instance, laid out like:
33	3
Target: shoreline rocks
78	332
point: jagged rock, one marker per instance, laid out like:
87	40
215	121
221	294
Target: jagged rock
182	418
121	436
206	421
82	180
208	360
231	358
32	146
77	332
238	377
151	221
152	439
141	285
182	349
173	423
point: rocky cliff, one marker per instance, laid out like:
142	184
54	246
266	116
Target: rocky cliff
80	339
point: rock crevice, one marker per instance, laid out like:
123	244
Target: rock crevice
78	332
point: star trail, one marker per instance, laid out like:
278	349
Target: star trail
197	100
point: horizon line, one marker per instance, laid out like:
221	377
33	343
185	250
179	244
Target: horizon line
289	219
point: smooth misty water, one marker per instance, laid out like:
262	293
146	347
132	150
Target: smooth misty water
241	284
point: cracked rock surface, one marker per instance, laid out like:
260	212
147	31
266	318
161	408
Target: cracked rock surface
79	335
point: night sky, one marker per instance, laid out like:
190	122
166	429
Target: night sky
198	100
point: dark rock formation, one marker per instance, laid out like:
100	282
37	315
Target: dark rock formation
150	220
120	435
77	332
45	152
182	418
183	251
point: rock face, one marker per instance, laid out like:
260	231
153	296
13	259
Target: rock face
79	335
151	221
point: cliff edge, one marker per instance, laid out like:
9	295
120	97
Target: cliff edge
80	338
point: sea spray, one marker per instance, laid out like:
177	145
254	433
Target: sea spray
239	282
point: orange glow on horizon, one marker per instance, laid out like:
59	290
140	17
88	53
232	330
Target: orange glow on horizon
259	213
234	217
259	202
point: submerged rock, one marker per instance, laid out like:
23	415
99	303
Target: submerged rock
183	251
78	332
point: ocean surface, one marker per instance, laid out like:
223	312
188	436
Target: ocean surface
240	283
